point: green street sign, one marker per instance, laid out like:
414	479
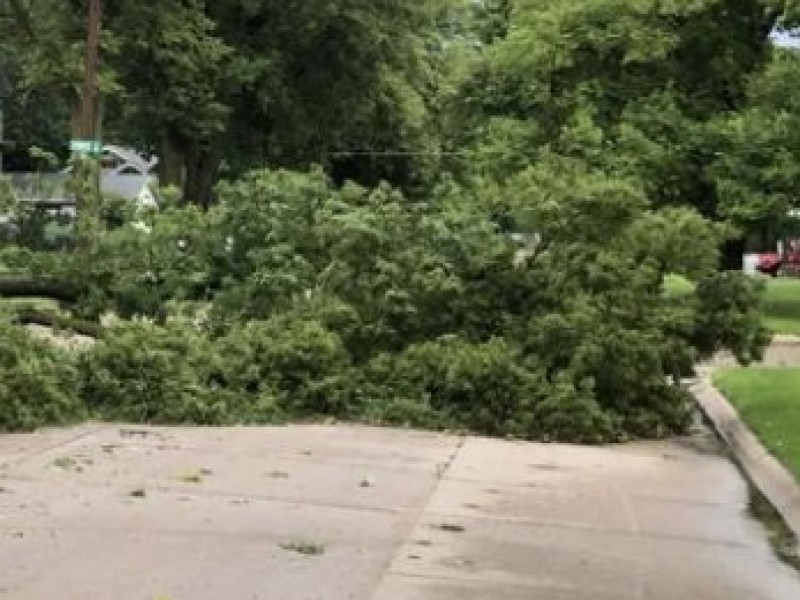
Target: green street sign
86	147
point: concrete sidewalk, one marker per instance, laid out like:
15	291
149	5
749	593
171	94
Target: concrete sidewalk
339	513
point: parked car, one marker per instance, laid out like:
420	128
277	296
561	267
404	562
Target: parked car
777	263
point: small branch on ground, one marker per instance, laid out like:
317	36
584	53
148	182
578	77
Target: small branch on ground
45	319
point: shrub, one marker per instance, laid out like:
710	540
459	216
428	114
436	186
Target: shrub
490	388
138	267
37	383
568	413
409	272
358	303
728	316
145	373
299	364
454	383
614	369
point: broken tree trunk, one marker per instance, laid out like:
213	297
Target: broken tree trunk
33	287
45	319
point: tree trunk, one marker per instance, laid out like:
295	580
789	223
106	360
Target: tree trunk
172	160
29	287
37	317
733	255
201	170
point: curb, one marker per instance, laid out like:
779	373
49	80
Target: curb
771	478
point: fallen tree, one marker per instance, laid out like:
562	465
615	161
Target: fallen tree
16	286
31	316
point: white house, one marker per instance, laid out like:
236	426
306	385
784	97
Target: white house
123	173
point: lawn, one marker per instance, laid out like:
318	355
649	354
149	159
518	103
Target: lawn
781	301
782	305
769	402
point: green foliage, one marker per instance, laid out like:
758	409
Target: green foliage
635	87
452	382
597	148
24	224
405	271
394	277
756	173
357	303
37	383
299	366
782	306
569	414
259	372
149	374
728	316
601	329
139	266
229	86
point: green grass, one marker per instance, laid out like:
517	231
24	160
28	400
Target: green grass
782	305
769	402
781	301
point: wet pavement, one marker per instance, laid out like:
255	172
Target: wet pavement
336	513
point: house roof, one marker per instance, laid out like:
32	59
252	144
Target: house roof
130	177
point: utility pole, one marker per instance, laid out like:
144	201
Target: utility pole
88	122
86	143
3	86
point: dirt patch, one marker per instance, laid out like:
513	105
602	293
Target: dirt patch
64	340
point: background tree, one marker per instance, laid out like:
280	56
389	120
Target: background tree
218	88
602	131
757	172
42	72
635	88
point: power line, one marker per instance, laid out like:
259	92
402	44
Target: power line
393	153
404	153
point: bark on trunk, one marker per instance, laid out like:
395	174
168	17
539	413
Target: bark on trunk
36	317
172	160
201	170
733	255
27	287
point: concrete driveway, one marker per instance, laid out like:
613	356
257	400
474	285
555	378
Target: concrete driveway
334	513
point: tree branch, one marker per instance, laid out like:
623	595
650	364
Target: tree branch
45	319
29	287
